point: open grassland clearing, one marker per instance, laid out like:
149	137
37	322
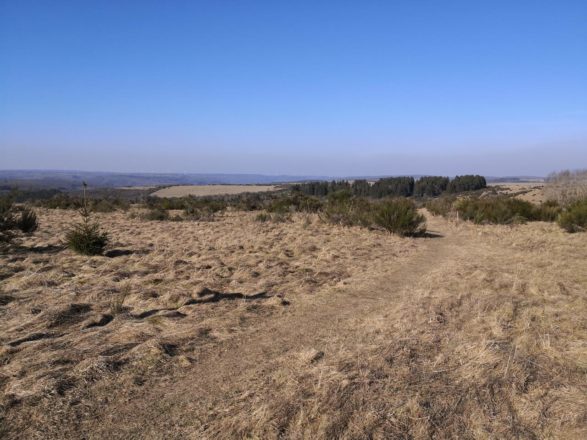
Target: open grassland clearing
294	329
211	190
532	192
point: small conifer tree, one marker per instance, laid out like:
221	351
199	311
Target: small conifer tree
85	237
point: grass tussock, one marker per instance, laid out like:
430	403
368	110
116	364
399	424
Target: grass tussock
15	219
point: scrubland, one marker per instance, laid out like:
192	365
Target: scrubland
231	327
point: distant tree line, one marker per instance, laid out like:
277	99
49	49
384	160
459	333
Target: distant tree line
428	186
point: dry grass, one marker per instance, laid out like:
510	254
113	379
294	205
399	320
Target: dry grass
567	186
211	190
477	334
532	192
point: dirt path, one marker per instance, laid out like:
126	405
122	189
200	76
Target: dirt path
229	371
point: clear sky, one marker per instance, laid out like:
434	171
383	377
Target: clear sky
297	87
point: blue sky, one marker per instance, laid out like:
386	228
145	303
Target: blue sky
317	87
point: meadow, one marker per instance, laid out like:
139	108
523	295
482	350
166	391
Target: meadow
291	317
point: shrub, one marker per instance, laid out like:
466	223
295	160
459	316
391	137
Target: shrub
443	206
574	218
399	216
497	210
548	211
156	215
344	210
297	202
85	237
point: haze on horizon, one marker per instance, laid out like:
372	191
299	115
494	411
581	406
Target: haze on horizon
304	88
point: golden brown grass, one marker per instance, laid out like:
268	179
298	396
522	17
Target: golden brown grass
567	186
479	333
211	190
532	192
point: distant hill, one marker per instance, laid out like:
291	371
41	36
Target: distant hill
68	180
71	180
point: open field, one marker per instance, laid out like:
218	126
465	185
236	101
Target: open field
211	190
532	192
240	329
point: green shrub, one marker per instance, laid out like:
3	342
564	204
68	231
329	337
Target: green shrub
443	206
496	210
347	211
296	202
548	211
85	237
399	216
574	218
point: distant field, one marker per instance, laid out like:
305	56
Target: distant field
530	191
211	190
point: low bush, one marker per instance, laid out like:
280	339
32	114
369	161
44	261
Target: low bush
343	209
574	218
296	202
549	211
505	210
399	216
85	237
155	215
443	206
95	204
496	210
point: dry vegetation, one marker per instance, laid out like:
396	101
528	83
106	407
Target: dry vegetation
532	192
567	186
211	190
236	328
